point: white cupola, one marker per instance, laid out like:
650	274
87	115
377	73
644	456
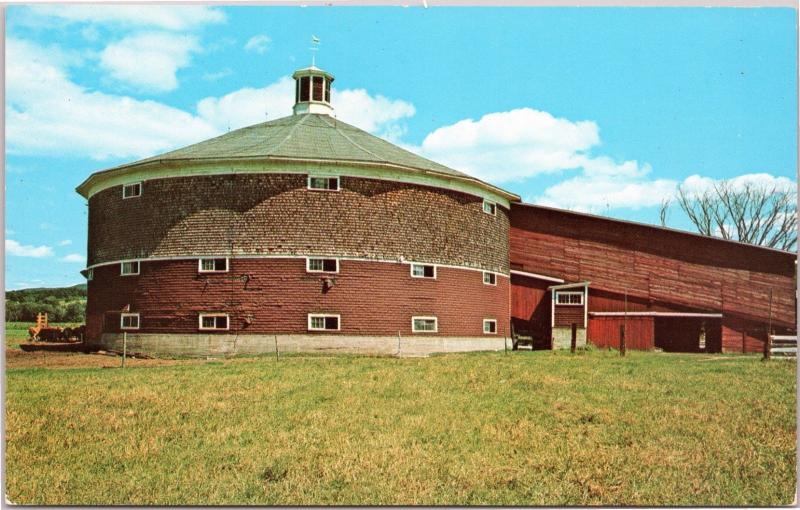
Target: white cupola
312	91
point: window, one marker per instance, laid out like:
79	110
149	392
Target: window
323	183
322	265
424	324
129	321
129	268
318	88
327	91
219	265
132	190
423	271
304	88
489	207
489	326
323	322
569	298
218	321
89	275
489	278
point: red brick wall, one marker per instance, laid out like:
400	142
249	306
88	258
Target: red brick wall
657	268
251	214
373	298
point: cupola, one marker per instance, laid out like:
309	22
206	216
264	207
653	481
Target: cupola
312	91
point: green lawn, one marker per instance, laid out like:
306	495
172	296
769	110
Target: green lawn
522	428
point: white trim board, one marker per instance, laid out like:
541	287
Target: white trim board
536	276
655	314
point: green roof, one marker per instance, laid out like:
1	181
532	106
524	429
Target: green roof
312	137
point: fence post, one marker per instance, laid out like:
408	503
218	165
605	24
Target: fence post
574	339
398	344
768	347
124	347
621	340
277	356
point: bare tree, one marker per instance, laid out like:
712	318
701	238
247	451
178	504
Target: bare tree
761	215
663	212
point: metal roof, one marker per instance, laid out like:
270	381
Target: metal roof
312	137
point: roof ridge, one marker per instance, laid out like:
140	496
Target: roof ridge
289	134
334	126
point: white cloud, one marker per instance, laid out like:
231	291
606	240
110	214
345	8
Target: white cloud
65	242
73	257
47	113
258	44
513	145
24	250
167	17
150	60
697	184
243	107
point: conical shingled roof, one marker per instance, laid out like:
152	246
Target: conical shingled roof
312	137
308	136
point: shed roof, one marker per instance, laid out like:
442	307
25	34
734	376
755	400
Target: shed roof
312	137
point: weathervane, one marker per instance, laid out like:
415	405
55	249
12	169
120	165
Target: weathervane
314	47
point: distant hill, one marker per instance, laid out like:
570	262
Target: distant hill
62	304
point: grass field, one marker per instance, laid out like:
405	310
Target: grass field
522	428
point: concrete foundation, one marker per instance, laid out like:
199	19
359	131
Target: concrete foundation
562	338
203	345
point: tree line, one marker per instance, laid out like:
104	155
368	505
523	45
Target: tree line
65	304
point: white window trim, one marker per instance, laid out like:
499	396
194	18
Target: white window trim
122	320
308	265
494	207
338	182
324	315
573	293
122	265
489	283
204	315
200	265
425	317
411	271
141	188
485	321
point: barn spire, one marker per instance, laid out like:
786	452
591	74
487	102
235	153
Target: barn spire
312	89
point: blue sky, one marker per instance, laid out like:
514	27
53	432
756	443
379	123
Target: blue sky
599	110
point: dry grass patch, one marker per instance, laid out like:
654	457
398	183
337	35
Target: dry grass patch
503	429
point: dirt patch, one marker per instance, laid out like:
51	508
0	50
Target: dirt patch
17	358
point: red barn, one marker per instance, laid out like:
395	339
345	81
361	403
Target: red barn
311	234
667	289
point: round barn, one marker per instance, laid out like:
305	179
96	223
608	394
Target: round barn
306	233
303	232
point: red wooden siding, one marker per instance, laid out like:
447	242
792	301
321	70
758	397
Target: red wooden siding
657	267
565	316
605	332
274	295
530	306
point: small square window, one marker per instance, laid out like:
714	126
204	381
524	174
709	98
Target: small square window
219	265
322	265
214	321
489	278
129	268
323	183
129	321
132	190
323	322
424	324
423	271
489	326
489	207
